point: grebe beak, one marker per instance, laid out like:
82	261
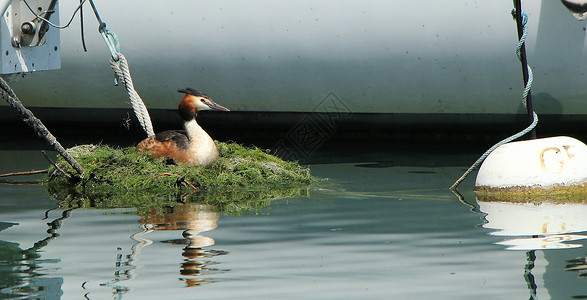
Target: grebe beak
215	106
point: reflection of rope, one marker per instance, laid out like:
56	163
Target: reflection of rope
530	258
141	241
524	102
53	227
120	290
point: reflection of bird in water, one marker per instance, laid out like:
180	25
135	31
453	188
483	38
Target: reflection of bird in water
193	219
197	264
577	7
192	147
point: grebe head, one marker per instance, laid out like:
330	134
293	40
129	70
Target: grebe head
193	102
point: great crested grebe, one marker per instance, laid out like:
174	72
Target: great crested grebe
192	146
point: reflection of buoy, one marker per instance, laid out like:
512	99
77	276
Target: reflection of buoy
528	219
540	166
538	225
577	7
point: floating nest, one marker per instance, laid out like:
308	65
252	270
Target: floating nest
242	178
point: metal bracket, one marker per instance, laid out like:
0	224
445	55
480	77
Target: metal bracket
27	42
28	29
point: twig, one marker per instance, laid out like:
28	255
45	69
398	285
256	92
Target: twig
179	180
24	173
184	199
20	183
55	165
182	179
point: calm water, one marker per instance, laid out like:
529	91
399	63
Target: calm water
373	230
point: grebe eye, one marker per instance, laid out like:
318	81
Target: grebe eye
203	101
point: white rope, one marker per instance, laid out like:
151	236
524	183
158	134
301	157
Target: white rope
122	71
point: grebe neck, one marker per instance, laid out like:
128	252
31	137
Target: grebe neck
202	148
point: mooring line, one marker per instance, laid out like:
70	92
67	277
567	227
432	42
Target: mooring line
502	142
28	117
121	69
520	51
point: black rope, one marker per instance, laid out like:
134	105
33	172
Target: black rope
81	19
524	61
27	116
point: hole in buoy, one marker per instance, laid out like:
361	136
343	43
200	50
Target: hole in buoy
55	48
6	52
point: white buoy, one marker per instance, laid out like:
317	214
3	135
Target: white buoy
535	165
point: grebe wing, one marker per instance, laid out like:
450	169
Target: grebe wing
178	137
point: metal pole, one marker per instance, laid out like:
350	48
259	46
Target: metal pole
530	110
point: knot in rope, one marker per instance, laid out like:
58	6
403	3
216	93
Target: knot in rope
524	16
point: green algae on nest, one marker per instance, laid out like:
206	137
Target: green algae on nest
236	203
132	178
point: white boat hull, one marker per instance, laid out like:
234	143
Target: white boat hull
395	56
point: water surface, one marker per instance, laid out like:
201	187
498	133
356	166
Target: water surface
382	229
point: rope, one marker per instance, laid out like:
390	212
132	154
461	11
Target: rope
27	116
122	72
121	69
521	43
502	142
524	102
